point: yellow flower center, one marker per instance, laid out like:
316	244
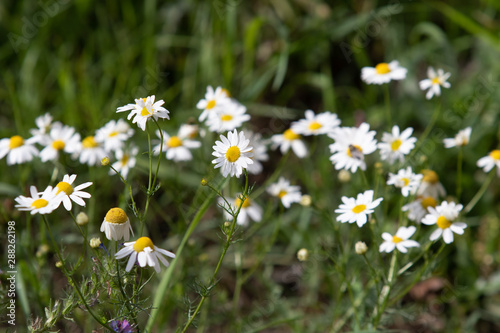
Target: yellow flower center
210	104
16	141
89	142
436	80
245	204
406	181
396	144
58	144
315	126
174	141
112	134
358	209
290	135
428	202
282	194
124	159
116	215
396	239
382	68
39	203
495	154
145	112
233	153
443	222
430	176
143	243
226	117
64	187
353	148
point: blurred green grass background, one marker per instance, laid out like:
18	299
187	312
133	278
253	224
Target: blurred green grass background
79	60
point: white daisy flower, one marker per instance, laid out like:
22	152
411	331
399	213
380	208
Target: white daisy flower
17	149
383	73
190	131
145	253
286	192
126	159
116	225
430	185
91	151
289	139
227	118
60	138
259	153
396	145
399	241
114	134
444	215
316	124
144	109
417	209
44	125
249	210
351	146
176	147
490	161
70	193
233	154
434	82
406	180
357	210
213	100
460	140
44	204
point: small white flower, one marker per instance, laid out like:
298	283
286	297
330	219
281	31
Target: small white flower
233	154
17	149
289	139
444	215
434	82
60	138
351	146
114	134
396	145
126	160
144	109
116	225
417	209
461	139
286	192
213	100
145	253
383	73
176	147
399	241
430	185
316	124
227	118
189	131
357	210
490	161
259	153
406	180
70	193
44	125
91	152
249	210
44	204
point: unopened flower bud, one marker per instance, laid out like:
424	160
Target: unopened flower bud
302	254
344	176
105	161
204	182
361	248
227	224
306	200
59	264
82	219
95	242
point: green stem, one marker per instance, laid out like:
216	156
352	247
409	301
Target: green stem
427	130
480	193
387	99
70	278
125	297
386	290
229	236
134	206
459	172
162	288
